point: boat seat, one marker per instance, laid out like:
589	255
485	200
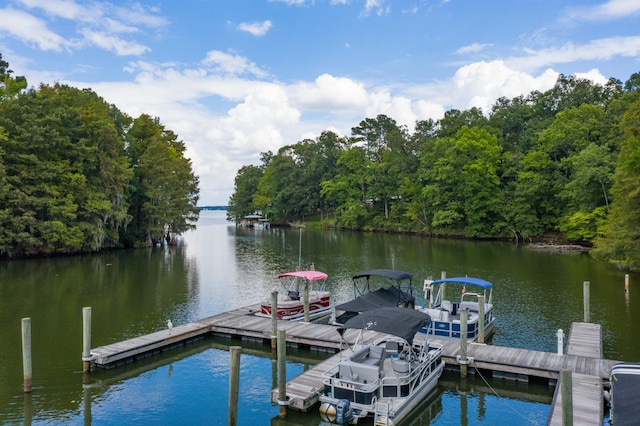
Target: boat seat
446	305
400	366
294	295
445	316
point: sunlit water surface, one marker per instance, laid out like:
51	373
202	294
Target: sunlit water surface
221	267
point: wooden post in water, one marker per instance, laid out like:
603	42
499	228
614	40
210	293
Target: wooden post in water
560	336
443	275
86	339
305	301
234	383
462	359
26	354
626	283
587	313
566	387
481	319
282	374
274	318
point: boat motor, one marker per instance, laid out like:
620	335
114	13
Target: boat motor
343	412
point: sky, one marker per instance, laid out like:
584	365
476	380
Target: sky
235	78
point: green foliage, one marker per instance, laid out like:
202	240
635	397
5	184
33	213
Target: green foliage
536	164
621	233
66	178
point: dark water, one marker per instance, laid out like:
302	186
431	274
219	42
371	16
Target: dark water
219	268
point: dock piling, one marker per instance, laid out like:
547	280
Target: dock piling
560	336
462	359
26	354
274	318
305	301
86	339
282	374
566	387
626	283
587	313
481	319
234	383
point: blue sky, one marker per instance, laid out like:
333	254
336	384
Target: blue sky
234	78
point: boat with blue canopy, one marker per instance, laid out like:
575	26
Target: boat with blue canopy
447	297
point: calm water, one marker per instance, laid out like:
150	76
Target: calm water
219	268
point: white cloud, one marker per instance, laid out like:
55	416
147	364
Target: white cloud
472	48
481	83
227	63
610	10
31	30
329	92
257	29
114	44
67	9
376	7
599	49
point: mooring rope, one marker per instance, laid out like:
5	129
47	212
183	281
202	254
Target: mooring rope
530	421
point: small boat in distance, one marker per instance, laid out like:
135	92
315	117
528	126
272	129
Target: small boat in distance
394	290
387	379
291	300
445	313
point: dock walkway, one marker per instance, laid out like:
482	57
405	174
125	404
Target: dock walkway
583	358
585	342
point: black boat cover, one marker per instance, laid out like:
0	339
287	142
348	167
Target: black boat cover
385	273
401	322
625	381
383	297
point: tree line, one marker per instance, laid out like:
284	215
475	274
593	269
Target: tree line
565	162
79	175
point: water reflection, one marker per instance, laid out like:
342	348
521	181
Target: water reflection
220	267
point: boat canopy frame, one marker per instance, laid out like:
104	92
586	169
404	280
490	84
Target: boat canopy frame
484	287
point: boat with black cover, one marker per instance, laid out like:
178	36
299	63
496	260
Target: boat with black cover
384	380
394	290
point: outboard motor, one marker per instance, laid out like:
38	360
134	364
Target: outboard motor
344	414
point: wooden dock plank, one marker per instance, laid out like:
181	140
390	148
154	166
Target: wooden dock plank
583	358
588	405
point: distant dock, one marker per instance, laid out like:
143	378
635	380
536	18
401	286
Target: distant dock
590	372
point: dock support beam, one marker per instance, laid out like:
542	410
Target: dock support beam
566	387
305	301
274	318
86	339
587	312
481	319
282	374
26	354
234	383
462	359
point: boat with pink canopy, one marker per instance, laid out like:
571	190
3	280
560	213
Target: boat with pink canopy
291	299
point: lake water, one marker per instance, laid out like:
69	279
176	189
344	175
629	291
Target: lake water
221	267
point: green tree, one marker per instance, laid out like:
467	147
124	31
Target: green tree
9	86
66	172
241	202
619	242
461	181
165	189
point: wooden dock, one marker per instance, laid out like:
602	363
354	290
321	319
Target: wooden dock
584	343
583	358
